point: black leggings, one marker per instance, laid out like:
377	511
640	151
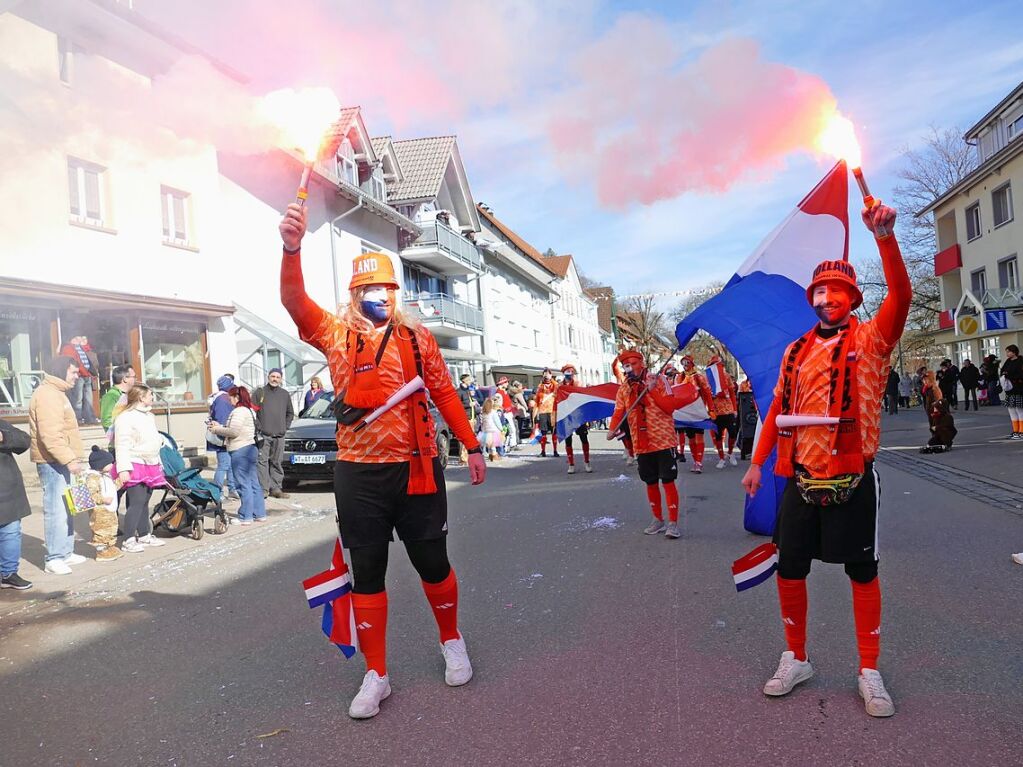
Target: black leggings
369	563
136	515
798	569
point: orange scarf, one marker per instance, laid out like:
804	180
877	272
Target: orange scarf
420	475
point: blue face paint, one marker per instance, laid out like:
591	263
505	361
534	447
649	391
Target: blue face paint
374	304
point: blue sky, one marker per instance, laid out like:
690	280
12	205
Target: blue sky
494	76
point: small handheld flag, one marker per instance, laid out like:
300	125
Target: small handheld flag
332	589
755	567
714	378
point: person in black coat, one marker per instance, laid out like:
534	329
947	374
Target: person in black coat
948	382
969	377
13	505
989	373
891	391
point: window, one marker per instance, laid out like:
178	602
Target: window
1008	274
991	345
175	207
86	192
1015	128
374	186
347	170
24	340
973	222
65	60
1001	201
962	353
978	283
173	362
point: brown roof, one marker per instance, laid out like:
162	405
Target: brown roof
604	297
514	238
423	162
558	264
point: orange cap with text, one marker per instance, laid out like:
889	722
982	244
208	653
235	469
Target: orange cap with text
372	269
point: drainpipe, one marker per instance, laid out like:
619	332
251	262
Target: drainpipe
333	254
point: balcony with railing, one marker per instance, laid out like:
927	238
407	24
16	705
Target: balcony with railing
443	250
445	315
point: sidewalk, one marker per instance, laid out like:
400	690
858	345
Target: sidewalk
981	448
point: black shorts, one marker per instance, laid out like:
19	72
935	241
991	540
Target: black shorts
372	503
693	432
727	422
658	466
583	432
544	421
839	534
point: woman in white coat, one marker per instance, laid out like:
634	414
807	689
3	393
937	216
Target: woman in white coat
137	444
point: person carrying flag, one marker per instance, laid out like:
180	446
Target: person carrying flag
568	373
651	421
696	441
725	408
674	377
546	393
630	453
387	477
829	507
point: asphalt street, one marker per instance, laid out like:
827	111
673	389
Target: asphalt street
592	643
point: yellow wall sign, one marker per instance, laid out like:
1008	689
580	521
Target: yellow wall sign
968	325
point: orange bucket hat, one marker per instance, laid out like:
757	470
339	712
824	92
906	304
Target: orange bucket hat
568	369
373	269
631	357
835	271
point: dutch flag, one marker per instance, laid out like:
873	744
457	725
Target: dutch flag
756	567
577	405
715	379
763	307
333	590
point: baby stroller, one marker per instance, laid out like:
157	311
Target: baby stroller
186	496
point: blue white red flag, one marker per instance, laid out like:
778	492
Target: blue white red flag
577	405
693	414
763	308
715	378
756	567
333	590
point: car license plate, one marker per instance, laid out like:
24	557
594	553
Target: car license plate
321	458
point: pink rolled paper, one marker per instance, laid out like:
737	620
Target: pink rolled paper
400	395
789	421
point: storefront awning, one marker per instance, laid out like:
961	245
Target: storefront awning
466	356
273	336
83	298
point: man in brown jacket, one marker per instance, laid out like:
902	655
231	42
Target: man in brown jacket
56	450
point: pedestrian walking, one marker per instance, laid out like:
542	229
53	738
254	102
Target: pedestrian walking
1012	382
56	451
275	416
220	409
830	503
969	377
892	392
387	477
137	443
905	389
14	505
989	373
240	432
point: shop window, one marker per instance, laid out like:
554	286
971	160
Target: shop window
173	364
24	347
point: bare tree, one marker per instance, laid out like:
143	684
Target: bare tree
649	326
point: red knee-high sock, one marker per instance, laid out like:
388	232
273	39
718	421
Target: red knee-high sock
654	496
554	441
681	442
792	596
671	497
586	452
371	626
867	612
696	446
443	599
627	441
570	454
543	443
716	437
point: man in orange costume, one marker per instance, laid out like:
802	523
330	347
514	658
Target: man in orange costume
696	442
653	436
546	396
569	381
829	508
725	408
387	477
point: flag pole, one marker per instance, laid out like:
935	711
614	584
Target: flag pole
642	394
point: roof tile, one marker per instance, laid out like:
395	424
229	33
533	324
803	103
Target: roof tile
423	162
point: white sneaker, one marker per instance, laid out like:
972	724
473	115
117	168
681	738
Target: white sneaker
132	546
366	703
151	540
457	669
732	460
655	527
589	469
236	521
74	559
673	531
790	673
571	469
57	567
1018	558
721	463
875	697
697	467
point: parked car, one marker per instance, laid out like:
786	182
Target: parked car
310	447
